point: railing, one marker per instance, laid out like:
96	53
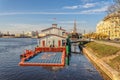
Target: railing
48	49
30	53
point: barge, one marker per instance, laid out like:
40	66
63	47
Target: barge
43	56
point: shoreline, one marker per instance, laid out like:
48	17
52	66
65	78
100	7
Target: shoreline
18	37
105	68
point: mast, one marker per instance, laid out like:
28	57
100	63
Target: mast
75	30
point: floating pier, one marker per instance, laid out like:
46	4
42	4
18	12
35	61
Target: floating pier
44	56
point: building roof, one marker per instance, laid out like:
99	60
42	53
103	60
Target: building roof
115	14
53	35
52	28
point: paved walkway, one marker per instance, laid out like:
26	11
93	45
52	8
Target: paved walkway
108	43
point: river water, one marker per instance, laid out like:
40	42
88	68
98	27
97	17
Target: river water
10	49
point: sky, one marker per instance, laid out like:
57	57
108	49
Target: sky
17	16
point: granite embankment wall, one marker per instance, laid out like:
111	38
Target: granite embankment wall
110	72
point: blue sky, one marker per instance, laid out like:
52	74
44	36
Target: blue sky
27	15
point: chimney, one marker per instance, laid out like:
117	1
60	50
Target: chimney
54	25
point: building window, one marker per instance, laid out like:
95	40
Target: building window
63	33
63	42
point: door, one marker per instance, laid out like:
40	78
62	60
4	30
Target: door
43	43
59	43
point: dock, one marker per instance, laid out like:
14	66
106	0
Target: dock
43	57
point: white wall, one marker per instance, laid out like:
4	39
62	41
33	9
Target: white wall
54	31
49	41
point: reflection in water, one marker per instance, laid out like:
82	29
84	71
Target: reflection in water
54	68
79	68
68	60
75	48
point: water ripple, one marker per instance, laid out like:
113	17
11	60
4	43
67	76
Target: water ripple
10	49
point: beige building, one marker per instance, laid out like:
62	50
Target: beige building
110	25
52	36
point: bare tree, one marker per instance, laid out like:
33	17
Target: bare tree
117	1
117	4
111	9
115	7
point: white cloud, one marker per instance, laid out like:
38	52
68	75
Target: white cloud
52	13
92	11
71	7
89	5
26	13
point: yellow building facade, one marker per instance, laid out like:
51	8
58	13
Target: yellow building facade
110	25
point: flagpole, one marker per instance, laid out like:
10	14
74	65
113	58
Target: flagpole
54	21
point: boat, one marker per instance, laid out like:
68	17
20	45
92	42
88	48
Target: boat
43	56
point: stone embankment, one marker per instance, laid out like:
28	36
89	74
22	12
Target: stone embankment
110	72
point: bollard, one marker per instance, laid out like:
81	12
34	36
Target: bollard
67	50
